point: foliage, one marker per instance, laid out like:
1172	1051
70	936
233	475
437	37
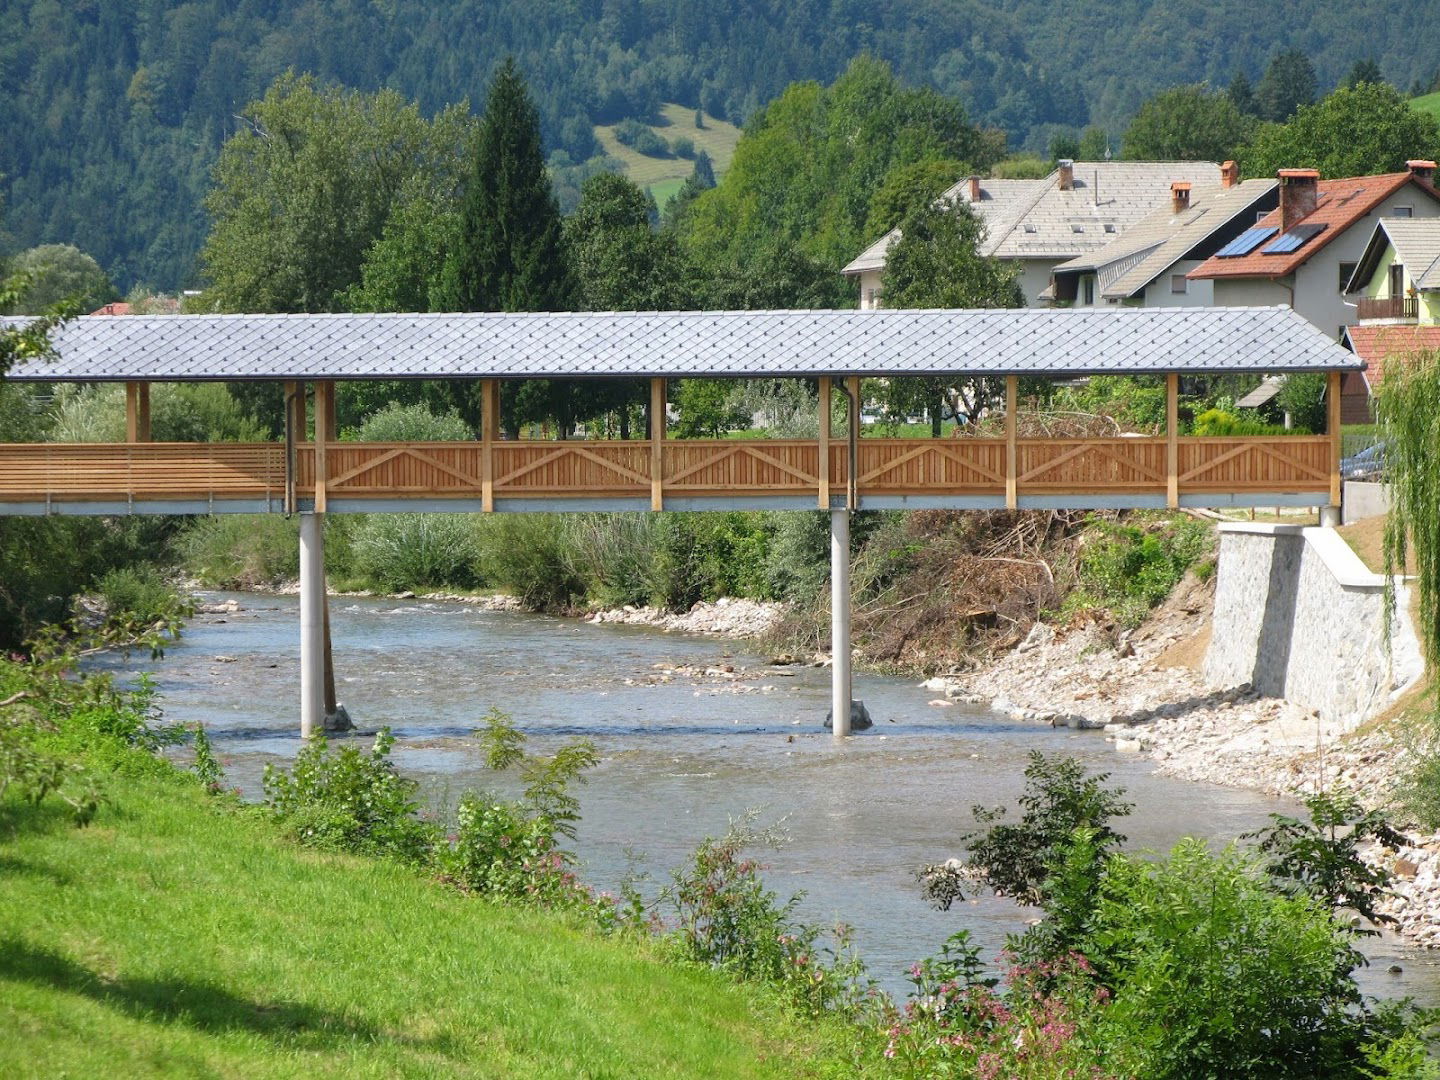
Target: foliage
1321	857
395	422
345	800
1303	397
1408	409
725	917
137	599
1187	123
394	552
1218	423
1287	85
242	551
641	138
179	412
306	186
55	274
32	340
707	409
906	189
1128	569
1016	859
207	766
620	263
513	850
1135	402
1354	131
528	554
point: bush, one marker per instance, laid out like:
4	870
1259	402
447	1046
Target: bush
411	423
179	412
241	551
683	147
528	554
1219	423
409	551
1129	570
641	139
139	597
349	801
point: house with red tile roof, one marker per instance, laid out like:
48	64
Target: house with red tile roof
1303	253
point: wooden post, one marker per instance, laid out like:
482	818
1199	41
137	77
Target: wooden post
824	417
489	425
657	439
137	412
294	433
1012	464
1172	446
324	417
1332	428
852	470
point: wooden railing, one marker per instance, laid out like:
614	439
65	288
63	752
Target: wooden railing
1397	307
725	467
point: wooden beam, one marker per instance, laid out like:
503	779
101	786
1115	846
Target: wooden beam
824	409
1172	445
489	425
137	412
1012	462
657	439
852	468
294	433
324	414
1332	429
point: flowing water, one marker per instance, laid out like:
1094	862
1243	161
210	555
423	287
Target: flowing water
684	751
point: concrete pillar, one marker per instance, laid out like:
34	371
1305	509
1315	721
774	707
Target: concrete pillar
312	624
1330	517
840	682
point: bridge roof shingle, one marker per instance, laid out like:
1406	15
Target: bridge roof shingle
1024	341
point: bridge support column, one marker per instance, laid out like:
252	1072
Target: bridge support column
312	624
840	680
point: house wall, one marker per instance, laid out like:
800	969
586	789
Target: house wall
1355	399
1034	279
1199	293
1251	292
869	290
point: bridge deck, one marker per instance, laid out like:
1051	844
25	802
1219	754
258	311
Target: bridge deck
674	474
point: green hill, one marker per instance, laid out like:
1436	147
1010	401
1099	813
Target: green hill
663	176
1430	103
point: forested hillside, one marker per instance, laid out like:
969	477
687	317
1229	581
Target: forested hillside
112	111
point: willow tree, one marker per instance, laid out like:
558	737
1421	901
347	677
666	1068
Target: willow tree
1408	406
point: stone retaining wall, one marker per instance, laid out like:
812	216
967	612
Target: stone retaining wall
1299	616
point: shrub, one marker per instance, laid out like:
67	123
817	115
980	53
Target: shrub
349	801
179	412
1129	570
1418	792
137	599
614	554
641	139
1219	423
411	423
406	551
527	554
683	147
241	551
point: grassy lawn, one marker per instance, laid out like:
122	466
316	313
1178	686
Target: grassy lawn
663	176
174	937
1430	103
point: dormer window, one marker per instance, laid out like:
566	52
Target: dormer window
1029	228
1077	228
1109	228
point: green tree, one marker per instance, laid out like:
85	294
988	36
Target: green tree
905	189
512	255
1354	131
1094	144
1187	123
1242	95
307	186
936	263
1065	145
1363	71
55	273
1288	83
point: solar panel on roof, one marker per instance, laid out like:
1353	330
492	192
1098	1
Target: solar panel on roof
1246	242
1292	240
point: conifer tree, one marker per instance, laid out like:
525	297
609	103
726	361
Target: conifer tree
512	255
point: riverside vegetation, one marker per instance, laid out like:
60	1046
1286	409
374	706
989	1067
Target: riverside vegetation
342	926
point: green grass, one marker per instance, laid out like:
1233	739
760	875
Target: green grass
176	937
1430	103
663	176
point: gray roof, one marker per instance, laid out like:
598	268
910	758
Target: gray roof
1124	267
164	348
1417	248
1034	219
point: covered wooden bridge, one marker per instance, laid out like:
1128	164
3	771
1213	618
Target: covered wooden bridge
838	470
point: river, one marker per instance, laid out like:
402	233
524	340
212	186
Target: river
683	752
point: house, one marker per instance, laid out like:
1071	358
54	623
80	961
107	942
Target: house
1149	264
1396	290
1303	253
1039	224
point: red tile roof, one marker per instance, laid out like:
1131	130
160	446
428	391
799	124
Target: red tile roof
112	309
1388	343
1339	204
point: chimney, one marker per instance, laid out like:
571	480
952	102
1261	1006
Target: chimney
1067	174
974	189
1179	197
1299	191
1229	174
1422	170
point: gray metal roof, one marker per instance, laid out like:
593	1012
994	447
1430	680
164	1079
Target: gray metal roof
177	348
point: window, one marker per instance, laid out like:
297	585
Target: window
1109	228
1077	228
1347	271
1397	281
1403	211
1089	290
872	297
1179	285
1029	228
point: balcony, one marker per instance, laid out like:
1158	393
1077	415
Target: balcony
1400	308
